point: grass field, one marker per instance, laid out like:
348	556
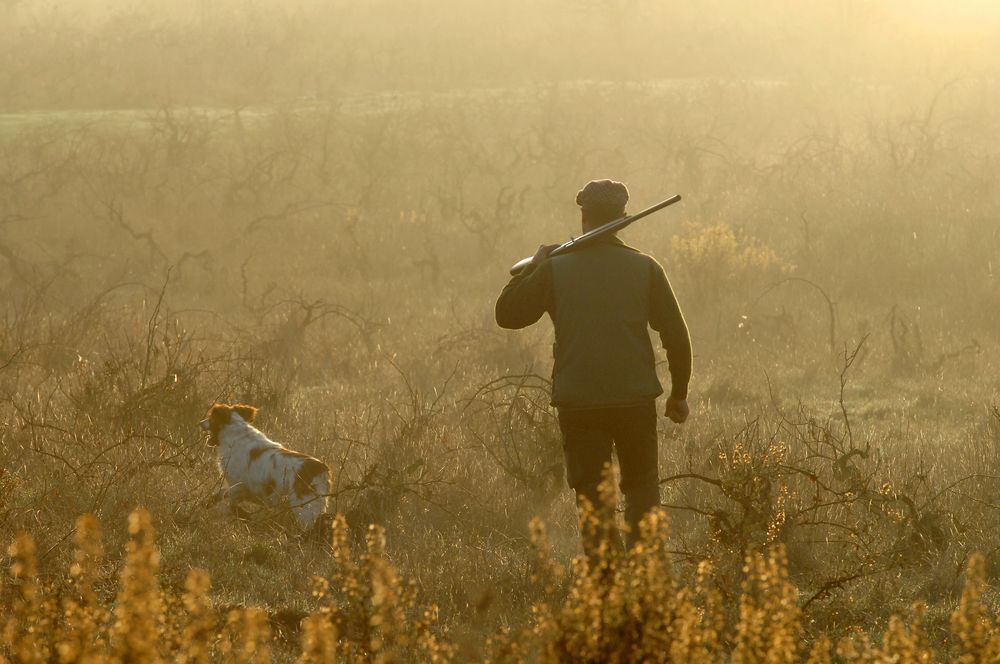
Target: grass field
335	261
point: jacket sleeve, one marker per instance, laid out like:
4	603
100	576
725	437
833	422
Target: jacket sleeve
526	297
666	318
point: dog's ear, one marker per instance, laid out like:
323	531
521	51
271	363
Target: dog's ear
218	416
248	413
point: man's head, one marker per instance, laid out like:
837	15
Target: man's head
601	201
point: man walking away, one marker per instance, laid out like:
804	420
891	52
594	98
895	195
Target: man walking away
601	298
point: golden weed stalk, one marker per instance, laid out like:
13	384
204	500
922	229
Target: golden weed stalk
26	623
624	608
247	637
83	636
978	635
319	640
768	629
199	633
139	608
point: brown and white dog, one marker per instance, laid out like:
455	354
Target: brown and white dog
260	470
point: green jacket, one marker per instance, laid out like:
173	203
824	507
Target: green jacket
601	298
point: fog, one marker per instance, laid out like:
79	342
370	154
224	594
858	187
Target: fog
124	54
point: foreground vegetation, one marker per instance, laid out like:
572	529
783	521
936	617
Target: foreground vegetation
614	608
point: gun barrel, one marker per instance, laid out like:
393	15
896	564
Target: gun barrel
600	231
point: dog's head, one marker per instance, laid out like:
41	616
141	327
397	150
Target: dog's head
221	414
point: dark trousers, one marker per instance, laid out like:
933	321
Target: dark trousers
589	435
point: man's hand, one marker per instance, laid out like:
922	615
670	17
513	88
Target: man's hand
677	410
542	253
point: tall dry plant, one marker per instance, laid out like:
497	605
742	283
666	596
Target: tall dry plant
139	613
620	607
199	633
978	635
372	615
768	629
27	618
247	637
83	637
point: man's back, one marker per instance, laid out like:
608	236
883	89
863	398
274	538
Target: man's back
603	355
602	299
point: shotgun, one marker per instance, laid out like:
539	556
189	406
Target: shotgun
600	231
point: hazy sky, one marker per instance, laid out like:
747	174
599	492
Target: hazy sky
960	11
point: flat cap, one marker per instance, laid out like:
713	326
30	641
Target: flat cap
603	193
